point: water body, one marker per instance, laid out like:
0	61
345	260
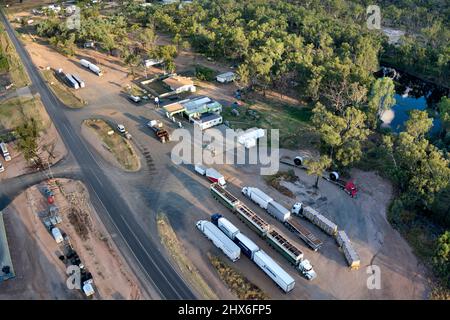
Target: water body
411	94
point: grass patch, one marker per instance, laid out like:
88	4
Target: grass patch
238	284
293	122
14	65
115	143
157	87
63	93
15	112
204	73
175	248
275	181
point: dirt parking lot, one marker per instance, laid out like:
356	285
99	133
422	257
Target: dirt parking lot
39	272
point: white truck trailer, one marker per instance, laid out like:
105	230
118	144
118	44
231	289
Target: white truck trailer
71	81
274	271
220	240
278	211
257	196
214	176
225	225
78	79
91	67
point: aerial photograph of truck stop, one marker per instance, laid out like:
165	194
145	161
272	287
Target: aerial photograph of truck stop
225	150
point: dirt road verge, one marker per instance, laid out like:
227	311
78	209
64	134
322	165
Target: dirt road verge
178	253
63	93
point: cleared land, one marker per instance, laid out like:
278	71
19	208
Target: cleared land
66	95
16	111
116	144
176	250
293	122
39	272
16	70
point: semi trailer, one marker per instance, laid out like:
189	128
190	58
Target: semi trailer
220	240
257	196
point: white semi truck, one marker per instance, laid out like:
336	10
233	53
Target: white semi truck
257	196
91	67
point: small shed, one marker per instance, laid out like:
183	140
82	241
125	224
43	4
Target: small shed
226	77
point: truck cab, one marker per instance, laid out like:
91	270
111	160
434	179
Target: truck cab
297	209
215	218
307	270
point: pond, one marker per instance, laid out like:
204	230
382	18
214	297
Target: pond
411	94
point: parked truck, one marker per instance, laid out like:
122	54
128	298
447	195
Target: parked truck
257	196
274	271
350	253
248	247
225	226
91	66
315	217
78	80
71	81
160	132
220	240
307	270
215	177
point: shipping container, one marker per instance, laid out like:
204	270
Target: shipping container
257	196
200	169
220	240
248	247
274	271
309	213
225	197
325	224
284	246
351	256
278	211
342	237
257	224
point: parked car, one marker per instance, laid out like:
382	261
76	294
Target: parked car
121	128
2	168
135	99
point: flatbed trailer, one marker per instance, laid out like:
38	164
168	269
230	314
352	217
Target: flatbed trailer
303	233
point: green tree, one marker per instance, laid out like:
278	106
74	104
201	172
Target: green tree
27	135
317	167
442	256
381	99
422	169
342	135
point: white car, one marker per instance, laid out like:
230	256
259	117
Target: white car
121	128
135	99
2	168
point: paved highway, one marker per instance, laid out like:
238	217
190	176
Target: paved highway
105	198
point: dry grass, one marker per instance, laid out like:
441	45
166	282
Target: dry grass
65	94
16	70
175	248
238	284
80	221
121	149
274	181
16	111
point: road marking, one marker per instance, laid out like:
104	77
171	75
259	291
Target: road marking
131	250
148	255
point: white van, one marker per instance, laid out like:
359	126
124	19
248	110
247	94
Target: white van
2	168
5	152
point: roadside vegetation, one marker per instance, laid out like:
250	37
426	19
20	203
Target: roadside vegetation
238	284
178	253
10	62
275	181
63	93
17	111
115	143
